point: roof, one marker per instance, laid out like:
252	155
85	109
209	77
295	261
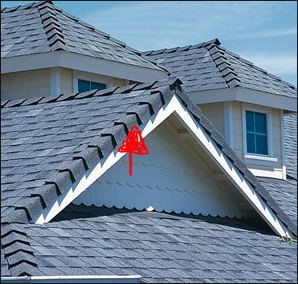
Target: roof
209	66
48	143
290	141
161	247
41	27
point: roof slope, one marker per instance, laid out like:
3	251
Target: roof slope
209	66
161	247
49	143
42	27
290	140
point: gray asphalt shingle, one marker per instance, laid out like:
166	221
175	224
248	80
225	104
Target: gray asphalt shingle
43	27
67	136
72	252
209	66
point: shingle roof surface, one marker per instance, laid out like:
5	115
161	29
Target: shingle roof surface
290	140
48	143
284	192
42	27
209	66
160	247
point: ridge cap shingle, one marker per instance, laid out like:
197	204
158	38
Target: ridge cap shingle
251	64
182	48
57	182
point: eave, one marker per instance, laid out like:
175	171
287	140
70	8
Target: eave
80	62
286	103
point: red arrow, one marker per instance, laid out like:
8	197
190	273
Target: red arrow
134	143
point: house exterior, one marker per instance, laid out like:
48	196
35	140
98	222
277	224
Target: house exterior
50	52
205	205
230	90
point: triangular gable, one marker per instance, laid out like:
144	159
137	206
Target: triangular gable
174	105
174	177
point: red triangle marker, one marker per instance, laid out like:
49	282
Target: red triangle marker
134	143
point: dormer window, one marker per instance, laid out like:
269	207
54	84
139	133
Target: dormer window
256	133
84	86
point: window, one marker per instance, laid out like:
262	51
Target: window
84	86
256	133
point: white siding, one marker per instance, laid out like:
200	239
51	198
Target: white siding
27	84
66	81
215	113
171	178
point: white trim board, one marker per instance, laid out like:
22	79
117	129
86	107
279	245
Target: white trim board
82	63
245	95
201	136
74	279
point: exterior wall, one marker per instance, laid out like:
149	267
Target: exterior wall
28	84
215	113
273	166
109	81
37	83
269	167
237	129
66	81
190	185
119	82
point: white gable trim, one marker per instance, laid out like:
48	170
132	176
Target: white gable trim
245	95
200	135
82	63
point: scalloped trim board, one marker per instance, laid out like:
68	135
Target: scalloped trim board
200	135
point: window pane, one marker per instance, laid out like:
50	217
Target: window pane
249	121
83	86
250	141
99	86
260	122
261	144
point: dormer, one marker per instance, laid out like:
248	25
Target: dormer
65	56
244	102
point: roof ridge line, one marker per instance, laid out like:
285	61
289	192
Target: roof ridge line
183	48
224	66
18	251
258	68
108	36
27	6
52	27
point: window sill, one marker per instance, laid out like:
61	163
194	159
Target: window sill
255	159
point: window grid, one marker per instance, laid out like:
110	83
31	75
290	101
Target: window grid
255	133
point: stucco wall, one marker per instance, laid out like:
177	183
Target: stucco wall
27	84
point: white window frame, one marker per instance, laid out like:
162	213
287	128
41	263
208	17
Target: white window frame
253	156
108	81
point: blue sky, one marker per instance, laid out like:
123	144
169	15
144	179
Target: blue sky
262	32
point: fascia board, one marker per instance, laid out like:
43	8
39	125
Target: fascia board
202	138
245	95
80	62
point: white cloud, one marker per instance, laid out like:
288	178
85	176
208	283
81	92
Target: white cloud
271	33
151	25
277	64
